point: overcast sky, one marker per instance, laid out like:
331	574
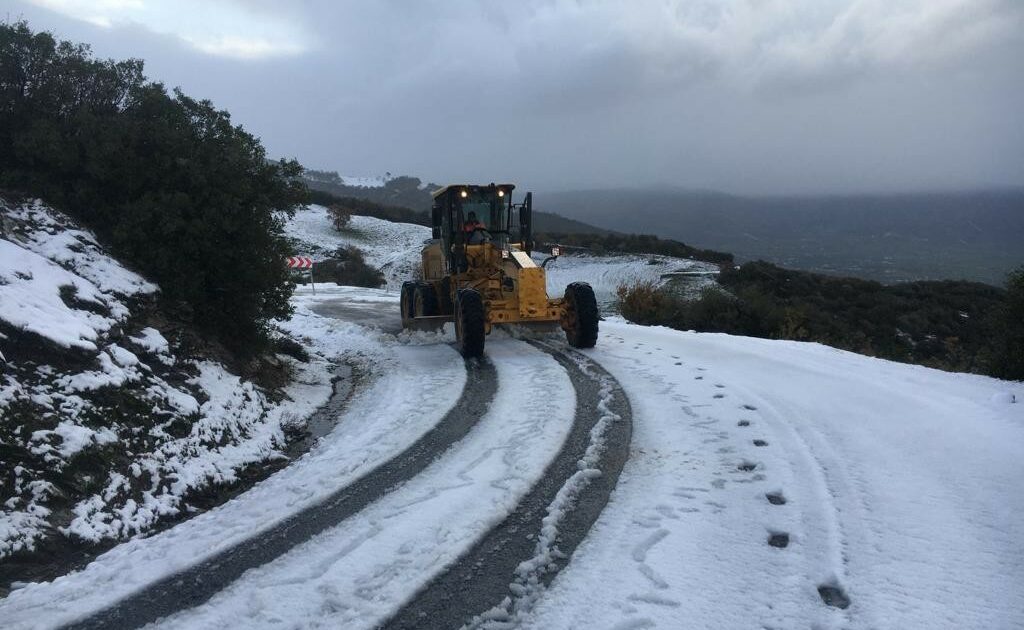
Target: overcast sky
744	96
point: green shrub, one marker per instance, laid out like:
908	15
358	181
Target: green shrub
644	303
348	267
167	181
962	326
1007	352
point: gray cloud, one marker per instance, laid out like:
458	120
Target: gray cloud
745	96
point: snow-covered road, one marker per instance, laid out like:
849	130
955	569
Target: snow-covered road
768	485
767	477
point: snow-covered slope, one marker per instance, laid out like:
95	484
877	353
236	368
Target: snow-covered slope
394	248
105	426
607	273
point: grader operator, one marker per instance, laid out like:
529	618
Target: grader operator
477	271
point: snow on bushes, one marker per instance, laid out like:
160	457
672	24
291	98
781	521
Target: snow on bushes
100	414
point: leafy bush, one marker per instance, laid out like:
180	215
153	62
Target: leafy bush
1008	341
644	303
340	216
349	268
166	180
962	326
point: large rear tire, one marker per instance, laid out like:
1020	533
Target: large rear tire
469	323
424	300
581	315
405	302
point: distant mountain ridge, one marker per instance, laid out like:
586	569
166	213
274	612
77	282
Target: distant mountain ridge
974	235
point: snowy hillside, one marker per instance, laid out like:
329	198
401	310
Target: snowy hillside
606	273
395	248
105	426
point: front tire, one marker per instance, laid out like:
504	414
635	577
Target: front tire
469	323
424	300
405	302
581	315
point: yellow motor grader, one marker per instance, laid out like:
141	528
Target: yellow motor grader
477	272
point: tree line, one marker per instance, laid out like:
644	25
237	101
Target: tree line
167	181
952	325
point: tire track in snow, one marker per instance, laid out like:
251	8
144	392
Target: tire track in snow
501	576
200	582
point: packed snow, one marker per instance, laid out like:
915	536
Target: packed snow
416	381
770	484
391	549
894	484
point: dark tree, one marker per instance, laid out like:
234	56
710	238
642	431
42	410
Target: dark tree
166	180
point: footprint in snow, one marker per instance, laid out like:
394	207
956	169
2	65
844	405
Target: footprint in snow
719	507
760	443
719	396
743	423
746	466
719	386
778	539
749	407
776	498
834	595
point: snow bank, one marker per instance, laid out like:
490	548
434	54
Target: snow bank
30	299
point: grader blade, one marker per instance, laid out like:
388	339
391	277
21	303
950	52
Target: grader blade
427	323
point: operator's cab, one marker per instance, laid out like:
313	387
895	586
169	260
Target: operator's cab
499	223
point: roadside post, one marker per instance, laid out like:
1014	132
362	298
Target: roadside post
302	262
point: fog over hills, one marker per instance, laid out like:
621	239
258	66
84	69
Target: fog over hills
975	235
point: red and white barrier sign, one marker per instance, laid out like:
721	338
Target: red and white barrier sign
300	262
